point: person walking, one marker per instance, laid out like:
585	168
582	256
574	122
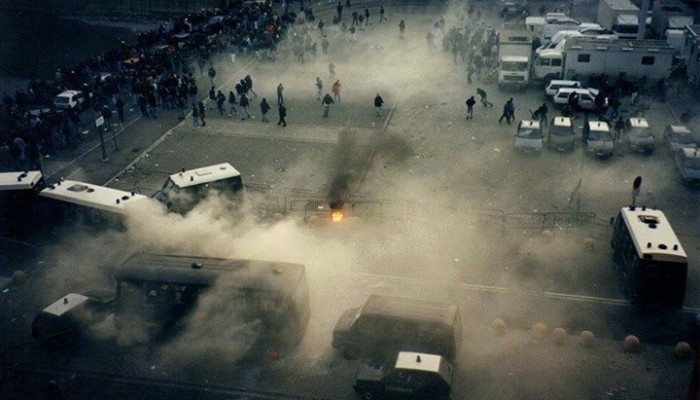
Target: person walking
319	86
382	17
231	103
212	74
244	103
402	29
508	111
249	85
366	16
327	101
331	69
202	112
107	115
220	101
470	107
484	98
541	113
378	104
120	109
283	114
264	109
196	118
280	97
336	91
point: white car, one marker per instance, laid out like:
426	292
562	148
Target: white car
586	99
556	84
688	162
528	137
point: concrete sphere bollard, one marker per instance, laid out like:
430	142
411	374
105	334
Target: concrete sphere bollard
559	335
683	350
19	276
547	235
586	338
631	344
499	326
540	330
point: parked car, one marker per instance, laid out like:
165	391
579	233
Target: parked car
556	84
688	162
64	320
528	137
677	137
410	376
69	98
639	135
387	324
586	97
598	139
561	134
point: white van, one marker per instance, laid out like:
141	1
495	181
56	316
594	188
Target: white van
69	98
556	84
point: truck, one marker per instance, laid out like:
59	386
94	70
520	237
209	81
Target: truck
668	20
514	56
619	16
583	56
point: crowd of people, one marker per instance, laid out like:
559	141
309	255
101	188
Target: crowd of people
156	72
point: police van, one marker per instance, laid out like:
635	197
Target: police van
184	190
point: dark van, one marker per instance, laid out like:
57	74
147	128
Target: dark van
386	324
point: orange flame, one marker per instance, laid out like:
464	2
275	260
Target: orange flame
337	216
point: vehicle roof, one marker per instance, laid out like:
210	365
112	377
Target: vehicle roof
598	126
562	121
529	124
418	361
89	195
400	307
19	180
207	271
199	176
690	152
563	82
652	234
636	122
69	92
678	129
574	89
593	43
65	304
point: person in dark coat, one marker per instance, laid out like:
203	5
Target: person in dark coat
120	109
378	104
264	108
202	114
283	114
220	100
327	101
470	107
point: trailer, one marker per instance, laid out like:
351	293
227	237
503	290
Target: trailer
584	56
670	15
619	16
514	56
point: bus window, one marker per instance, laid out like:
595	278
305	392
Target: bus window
649	257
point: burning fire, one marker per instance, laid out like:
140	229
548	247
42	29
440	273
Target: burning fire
337	216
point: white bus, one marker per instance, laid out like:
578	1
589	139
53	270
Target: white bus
92	205
18	192
183	190
649	257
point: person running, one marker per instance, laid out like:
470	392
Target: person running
470	107
244	103
378	104
484	99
